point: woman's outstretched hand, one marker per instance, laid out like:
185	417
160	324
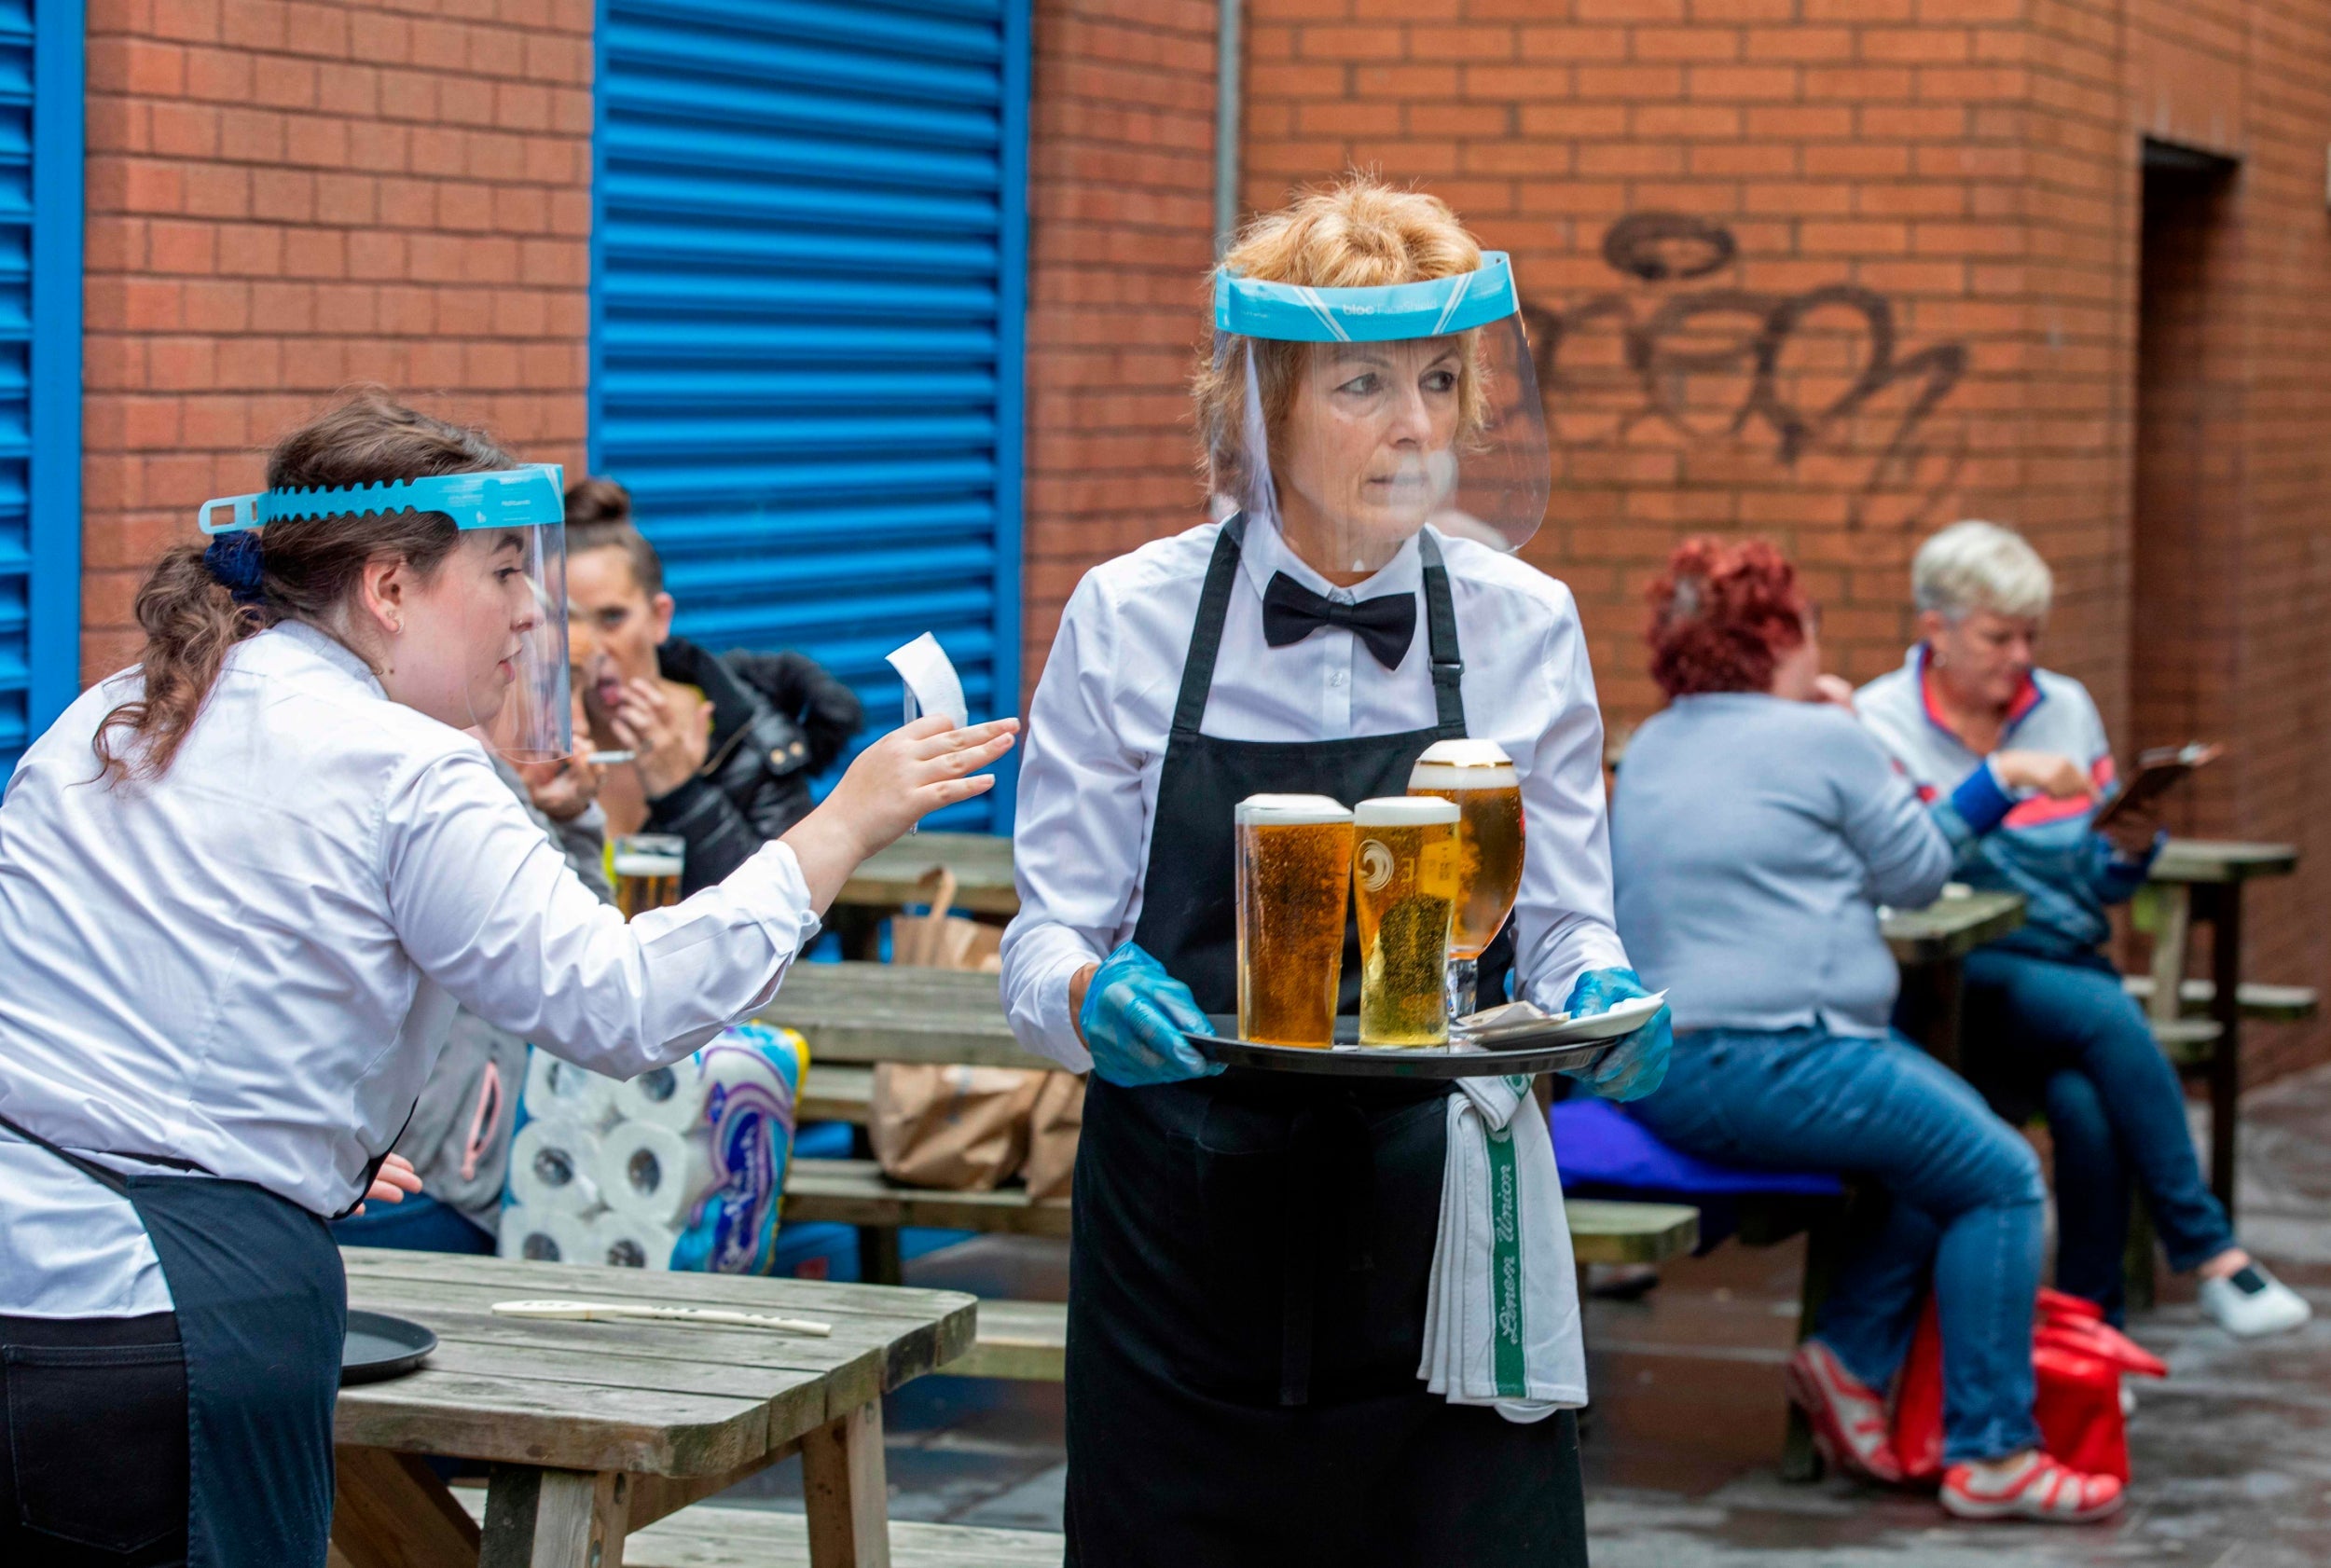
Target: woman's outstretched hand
895	783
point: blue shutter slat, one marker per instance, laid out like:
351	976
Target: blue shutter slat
40	459
806	337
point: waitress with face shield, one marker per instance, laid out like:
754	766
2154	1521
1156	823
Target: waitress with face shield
243	886
1251	1251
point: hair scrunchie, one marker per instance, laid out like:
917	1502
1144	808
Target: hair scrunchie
234	559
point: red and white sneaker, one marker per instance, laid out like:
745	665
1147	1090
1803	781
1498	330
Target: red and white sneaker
1849	1420
2032	1487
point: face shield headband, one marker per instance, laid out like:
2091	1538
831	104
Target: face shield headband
506	601
1356	416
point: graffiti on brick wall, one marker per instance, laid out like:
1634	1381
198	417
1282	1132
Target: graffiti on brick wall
1817	384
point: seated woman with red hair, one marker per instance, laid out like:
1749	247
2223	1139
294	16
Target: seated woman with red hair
1755	830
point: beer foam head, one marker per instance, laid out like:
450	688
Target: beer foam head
1403	811
1284	810
643	862
1466	753
1464	765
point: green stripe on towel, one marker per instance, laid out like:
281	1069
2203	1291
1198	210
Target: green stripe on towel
1505	1262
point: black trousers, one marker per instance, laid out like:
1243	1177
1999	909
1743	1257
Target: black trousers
93	1442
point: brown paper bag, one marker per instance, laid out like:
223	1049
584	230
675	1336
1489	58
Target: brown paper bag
956	1128
960	1129
940	941
1053	1125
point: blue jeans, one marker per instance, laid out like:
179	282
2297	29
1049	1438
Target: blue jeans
2062	1035
419	1224
1968	1208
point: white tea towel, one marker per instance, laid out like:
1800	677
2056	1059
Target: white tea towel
1501	1314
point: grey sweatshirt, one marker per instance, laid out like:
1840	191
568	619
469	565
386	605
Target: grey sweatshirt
458	1139
1752	840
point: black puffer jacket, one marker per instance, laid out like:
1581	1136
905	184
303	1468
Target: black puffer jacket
779	720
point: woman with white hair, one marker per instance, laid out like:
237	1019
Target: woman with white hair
2048	1021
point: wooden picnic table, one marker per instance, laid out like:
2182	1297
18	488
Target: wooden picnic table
892	879
1931	944
2202	879
596	1429
864	1012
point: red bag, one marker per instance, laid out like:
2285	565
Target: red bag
2077	1360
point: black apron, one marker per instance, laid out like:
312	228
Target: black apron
261	1304
1251	1255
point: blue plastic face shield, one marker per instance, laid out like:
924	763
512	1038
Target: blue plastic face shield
1366	414
496	607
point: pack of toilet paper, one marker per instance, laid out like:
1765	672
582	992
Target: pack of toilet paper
683	1167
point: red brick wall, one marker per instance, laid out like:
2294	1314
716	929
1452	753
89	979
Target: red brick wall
2233	486
284	199
1839	271
1119	218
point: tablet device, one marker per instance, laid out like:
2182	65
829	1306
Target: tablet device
2159	770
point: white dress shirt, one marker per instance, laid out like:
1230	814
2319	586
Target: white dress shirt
251	962
1097	730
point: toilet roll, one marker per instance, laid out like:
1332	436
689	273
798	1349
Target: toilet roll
623	1242
553	1166
694	1094
654	1173
556	1088
554	1237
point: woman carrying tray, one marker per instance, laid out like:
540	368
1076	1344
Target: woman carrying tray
1252	1250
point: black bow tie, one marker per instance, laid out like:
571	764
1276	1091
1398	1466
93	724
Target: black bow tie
1292	612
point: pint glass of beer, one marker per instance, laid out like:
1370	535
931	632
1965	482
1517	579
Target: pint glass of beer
1404	881
647	868
1479	777
1294	874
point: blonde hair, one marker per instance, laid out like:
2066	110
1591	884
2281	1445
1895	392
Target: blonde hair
1974	565
1356	233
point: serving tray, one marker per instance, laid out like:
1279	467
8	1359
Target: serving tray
1348	1059
379	1347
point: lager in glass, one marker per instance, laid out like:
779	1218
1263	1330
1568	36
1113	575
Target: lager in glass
647	868
1294	862
1479	777
1404	882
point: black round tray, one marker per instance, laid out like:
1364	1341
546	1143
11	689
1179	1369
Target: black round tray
1347	1060
379	1347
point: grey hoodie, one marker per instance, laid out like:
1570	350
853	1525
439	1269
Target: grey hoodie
458	1139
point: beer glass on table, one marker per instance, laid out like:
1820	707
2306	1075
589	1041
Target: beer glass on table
647	868
1294	860
1404	881
1478	776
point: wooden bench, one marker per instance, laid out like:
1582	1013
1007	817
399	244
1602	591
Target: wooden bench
717	1535
1029	1340
2258	1002
856	1192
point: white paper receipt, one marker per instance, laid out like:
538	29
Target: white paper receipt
932	687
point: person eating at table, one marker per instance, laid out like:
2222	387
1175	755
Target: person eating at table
1251	1252
243	885
721	746
1755	828
2046	1019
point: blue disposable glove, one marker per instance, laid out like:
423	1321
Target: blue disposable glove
1637	1065
1133	1018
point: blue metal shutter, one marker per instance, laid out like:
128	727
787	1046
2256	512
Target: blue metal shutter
40	366
807	285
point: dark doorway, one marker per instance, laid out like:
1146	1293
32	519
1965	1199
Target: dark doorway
2188	470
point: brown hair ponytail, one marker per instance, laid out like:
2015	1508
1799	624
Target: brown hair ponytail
308	567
